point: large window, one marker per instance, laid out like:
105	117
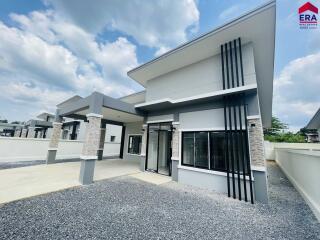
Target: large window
207	150
134	145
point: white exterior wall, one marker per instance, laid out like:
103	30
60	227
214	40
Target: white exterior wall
302	167
29	149
82	130
198	78
113	130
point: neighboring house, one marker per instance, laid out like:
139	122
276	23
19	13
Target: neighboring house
314	124
312	137
201	115
9	129
75	129
38	128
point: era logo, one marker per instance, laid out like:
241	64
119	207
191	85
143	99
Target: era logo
308	16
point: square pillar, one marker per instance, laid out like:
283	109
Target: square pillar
175	151
143	147
123	137
101	143
54	142
31	132
24	132
90	148
17	133
258	162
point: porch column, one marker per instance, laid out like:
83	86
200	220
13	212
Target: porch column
17	132
175	151
54	142
31	132
258	162
123	137
24	132
102	140
90	148
143	147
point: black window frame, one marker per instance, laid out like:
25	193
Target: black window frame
140	144
209	158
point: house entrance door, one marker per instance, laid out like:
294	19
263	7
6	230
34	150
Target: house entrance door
159	148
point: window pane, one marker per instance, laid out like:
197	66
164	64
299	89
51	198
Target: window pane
217	149
201	149
188	149
240	137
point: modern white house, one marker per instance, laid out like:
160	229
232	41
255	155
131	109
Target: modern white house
37	128
201	115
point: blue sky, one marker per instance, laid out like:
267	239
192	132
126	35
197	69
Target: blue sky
51	50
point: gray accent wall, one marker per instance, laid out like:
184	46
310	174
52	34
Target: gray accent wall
211	181
131	128
212	118
198	78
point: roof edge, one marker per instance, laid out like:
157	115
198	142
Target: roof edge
200	37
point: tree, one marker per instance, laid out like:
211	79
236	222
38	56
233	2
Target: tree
276	127
277	133
4	121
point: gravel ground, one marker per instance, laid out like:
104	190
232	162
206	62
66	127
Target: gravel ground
126	208
7	165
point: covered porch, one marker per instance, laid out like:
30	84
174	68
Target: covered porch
97	110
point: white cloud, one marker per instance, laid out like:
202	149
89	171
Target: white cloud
160	24
44	60
46	56
296	93
30	56
230	12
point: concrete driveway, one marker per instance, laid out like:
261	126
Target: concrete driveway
24	182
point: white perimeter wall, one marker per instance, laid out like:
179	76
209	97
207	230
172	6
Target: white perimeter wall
300	162
29	149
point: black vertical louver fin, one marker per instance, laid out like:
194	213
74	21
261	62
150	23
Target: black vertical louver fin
235	113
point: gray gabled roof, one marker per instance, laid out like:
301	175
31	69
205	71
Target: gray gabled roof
315	121
69	100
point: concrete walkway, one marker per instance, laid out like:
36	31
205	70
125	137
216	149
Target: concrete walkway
24	182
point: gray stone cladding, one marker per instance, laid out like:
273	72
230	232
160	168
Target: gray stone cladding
24	133
92	137
175	141
17	133
31	132
144	140
55	136
256	142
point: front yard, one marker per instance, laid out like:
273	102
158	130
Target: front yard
127	208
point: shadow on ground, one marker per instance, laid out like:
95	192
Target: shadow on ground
127	208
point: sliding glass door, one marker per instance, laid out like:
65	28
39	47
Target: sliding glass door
159	148
152	163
